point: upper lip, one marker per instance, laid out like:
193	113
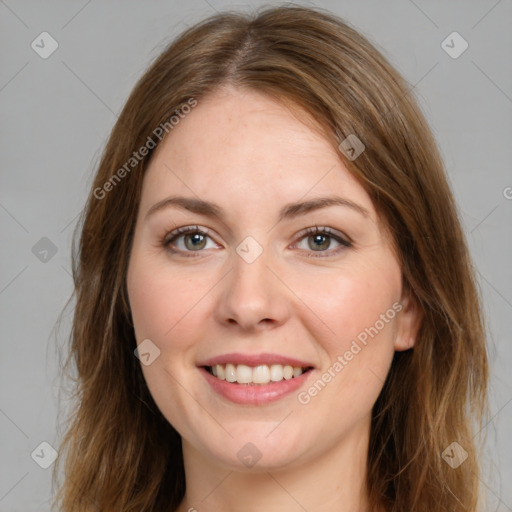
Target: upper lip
255	360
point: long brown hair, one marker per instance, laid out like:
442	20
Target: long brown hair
120	452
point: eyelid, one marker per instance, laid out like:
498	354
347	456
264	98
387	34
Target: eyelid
193	228
179	232
313	230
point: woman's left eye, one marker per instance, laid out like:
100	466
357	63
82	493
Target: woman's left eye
319	239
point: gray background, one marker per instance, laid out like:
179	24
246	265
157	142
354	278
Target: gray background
56	114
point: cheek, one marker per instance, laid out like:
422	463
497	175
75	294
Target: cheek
352	300
358	312
160	300
356	356
162	304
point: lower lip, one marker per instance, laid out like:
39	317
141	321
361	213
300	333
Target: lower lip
254	394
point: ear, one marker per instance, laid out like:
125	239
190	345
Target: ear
408	322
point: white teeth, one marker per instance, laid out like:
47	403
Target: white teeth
243	374
230	373
276	373
262	374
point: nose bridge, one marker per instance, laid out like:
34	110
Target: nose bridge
252	292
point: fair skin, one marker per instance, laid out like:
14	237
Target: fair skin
251	156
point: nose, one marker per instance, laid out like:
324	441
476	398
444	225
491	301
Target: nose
253	297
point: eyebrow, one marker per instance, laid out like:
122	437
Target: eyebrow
289	211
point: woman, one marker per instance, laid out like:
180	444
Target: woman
276	308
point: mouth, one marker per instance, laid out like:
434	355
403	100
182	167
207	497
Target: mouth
255	379
262	374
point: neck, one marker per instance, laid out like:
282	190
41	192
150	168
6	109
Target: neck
333	481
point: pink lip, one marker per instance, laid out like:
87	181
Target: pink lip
254	394
255	360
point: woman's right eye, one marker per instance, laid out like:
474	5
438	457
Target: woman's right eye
193	238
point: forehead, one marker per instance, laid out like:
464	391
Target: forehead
237	147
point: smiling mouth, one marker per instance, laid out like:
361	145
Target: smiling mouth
256	375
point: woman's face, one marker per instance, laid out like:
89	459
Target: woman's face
248	288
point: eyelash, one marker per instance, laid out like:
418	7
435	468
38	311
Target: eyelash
316	230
